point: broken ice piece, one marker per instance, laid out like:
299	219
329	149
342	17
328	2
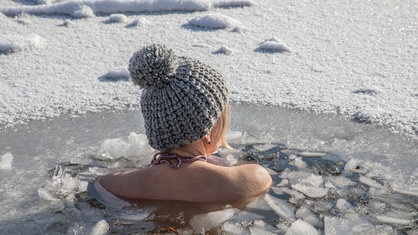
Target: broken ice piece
369	182
6	161
211	220
280	207
392	220
300	227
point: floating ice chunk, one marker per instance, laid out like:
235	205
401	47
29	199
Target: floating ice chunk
280	207
369	182
393	220
411	190
311	186
313	180
312	154
311	191
273	46
6	161
261	230
16	43
112	149
300	227
341	181
213	21
100	228
354	225
244	217
115	75
211	220
295	176
298	162
259	204
136	145
117	18
134	215
343	205
46	195
234	228
295	194
307	215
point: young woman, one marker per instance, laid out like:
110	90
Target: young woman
185	107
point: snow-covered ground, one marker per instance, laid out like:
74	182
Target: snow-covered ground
354	59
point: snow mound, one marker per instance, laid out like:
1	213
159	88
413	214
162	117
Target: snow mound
88	8
117	18
138	22
213	21
16	43
223	50
273	46
6	161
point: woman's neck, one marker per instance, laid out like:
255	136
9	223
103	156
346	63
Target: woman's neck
194	149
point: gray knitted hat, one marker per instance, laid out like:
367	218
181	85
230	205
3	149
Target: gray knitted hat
182	98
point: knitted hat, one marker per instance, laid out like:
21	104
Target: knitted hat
182	97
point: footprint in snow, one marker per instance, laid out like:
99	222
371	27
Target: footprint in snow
116	75
370	92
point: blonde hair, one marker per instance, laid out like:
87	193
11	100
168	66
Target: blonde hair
223	125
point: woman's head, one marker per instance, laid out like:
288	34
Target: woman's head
182	98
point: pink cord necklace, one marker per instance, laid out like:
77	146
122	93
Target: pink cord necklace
173	160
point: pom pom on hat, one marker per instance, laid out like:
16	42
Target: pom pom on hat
153	66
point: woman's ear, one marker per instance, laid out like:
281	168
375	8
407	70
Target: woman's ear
206	138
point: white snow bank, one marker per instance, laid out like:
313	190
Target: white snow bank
15	43
213	21
6	161
87	8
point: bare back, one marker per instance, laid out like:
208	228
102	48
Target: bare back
197	182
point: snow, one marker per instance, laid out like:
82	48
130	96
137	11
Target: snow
326	77
333	66
273	46
6	161
16	43
213	21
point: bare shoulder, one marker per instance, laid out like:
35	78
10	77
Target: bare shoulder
199	182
